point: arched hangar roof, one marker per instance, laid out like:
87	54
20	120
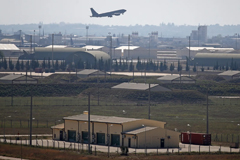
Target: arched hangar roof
69	54
210	59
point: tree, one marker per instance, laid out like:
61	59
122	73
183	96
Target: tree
172	67
161	67
194	68
139	64
44	63
202	69
17	65
63	65
27	65
5	64
56	65
49	64
131	67
187	65
22	65
227	67
179	66
11	65
116	66
165	65
1	55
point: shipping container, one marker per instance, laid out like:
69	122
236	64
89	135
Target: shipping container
196	138
38	70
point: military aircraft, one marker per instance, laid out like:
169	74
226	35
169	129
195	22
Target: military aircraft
107	14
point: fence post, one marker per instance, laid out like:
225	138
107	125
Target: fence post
58	144
64	145
47	143
157	150
209	149
199	149
230	149
220	149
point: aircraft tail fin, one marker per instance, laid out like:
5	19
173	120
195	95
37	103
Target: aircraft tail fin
94	13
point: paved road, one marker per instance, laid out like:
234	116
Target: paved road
103	148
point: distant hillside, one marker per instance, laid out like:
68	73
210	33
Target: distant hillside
165	30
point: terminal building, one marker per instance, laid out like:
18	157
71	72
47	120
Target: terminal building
118	131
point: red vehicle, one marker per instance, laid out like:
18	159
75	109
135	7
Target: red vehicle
196	138
38	70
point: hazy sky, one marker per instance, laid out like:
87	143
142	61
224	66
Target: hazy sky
152	12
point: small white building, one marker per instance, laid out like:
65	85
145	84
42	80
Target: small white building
141	86
228	75
18	79
91	73
118	131
176	79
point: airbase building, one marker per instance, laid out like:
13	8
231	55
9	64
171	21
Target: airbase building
118	131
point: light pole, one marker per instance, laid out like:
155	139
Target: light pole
145	138
189	56
52	48
110	51
238	135
87	27
190	137
149	46
108	138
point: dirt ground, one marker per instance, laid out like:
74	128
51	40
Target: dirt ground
51	154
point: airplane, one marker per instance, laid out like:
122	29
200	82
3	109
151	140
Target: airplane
107	14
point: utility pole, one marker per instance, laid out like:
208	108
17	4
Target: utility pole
89	151
52	47
129	46
189	55
149	46
207	113
30	134
110	52
87	27
149	112
31	43
34	40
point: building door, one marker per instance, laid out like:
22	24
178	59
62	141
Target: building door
101	138
115	139
129	142
85	137
71	136
61	135
162	143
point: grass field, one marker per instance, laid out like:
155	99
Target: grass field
48	111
